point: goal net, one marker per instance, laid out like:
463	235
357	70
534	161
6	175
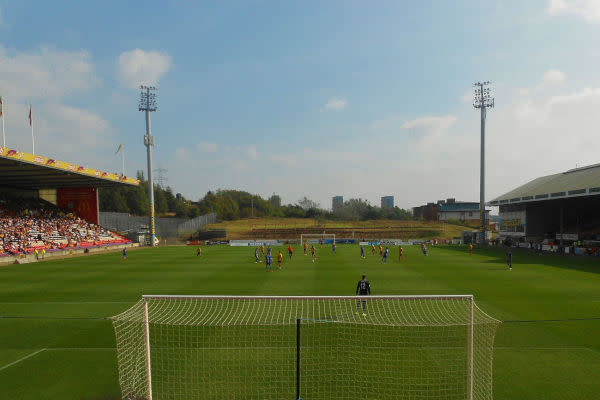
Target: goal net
313	347
316	237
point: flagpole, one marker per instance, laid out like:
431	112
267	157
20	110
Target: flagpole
31	123
122	162
3	135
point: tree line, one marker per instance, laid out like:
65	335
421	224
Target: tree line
237	204
134	200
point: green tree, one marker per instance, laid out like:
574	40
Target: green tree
160	200
171	200
306	204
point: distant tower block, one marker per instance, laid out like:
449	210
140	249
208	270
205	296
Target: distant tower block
387	202
337	202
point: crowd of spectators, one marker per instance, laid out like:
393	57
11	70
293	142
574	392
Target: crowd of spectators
27	225
578	247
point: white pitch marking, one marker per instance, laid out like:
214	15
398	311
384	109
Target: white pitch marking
71	302
78	348
550	348
21	359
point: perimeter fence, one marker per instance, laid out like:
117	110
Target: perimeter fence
165	227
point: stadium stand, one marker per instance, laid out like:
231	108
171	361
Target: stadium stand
559	211
52	205
27	225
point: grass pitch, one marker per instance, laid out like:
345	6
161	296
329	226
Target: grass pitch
51	347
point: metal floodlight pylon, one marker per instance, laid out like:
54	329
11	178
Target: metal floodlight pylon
148	105
482	100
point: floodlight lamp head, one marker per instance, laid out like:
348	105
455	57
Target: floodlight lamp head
482	97
147	99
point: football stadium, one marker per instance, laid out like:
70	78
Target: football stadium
82	322
203	278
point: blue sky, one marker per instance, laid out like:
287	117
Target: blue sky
315	98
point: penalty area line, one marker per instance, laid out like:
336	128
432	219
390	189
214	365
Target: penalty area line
22	359
79	348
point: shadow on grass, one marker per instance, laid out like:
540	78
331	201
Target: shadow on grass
497	255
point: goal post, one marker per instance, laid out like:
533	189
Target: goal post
309	347
305	237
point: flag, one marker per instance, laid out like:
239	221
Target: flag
119	148
30	116
1	107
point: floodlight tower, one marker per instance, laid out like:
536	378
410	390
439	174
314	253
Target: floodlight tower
148	104
482	99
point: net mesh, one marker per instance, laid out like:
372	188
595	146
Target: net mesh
316	237
384	347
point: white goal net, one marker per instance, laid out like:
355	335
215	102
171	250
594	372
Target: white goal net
316	237
313	347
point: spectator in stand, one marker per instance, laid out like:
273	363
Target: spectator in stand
27	225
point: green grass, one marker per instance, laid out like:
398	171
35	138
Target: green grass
532	360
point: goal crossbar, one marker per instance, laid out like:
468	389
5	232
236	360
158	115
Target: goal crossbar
241	297
304	236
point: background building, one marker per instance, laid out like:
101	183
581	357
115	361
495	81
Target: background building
428	212
562	206
463	211
337	202
450	209
387	202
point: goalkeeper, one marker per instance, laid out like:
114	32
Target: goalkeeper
363	289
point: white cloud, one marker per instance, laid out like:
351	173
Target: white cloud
434	123
429	131
553	77
336	103
467	97
532	132
536	136
550	79
45	74
208	147
45	77
138	67
251	152
62	132
589	10
286	159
